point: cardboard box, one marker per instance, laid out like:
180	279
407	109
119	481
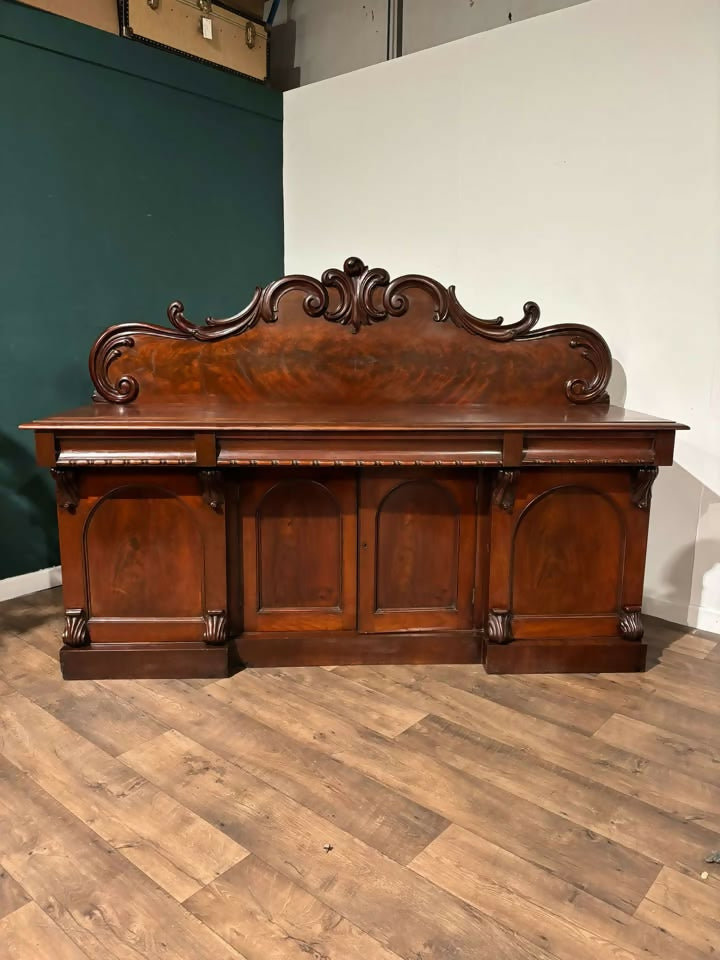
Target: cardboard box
102	14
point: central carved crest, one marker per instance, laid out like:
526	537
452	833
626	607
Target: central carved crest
366	296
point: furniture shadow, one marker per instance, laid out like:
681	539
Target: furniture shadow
683	555
28	520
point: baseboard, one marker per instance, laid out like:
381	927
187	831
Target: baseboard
26	583
683	614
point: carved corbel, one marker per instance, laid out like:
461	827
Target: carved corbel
68	495
211	482
75	632
630	624
500	626
216	629
642	487
504	491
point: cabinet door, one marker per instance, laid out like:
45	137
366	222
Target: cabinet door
567	554
417	550
299	534
143	555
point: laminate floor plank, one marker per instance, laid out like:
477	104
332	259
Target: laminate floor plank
641	702
267	916
412	812
620	875
508	691
570	923
693	646
691	758
173	846
30	934
407	915
686	908
383	714
685	896
12	894
653	833
78	704
630	773
108	907
391	823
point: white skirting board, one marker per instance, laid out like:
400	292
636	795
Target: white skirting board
693	616
30	583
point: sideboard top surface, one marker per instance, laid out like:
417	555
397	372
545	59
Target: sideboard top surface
214	414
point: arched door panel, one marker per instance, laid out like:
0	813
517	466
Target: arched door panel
417	550
567	554
299	551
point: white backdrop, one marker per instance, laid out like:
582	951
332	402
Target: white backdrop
573	159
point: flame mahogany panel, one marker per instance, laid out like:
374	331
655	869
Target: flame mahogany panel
299	550
309	340
417	550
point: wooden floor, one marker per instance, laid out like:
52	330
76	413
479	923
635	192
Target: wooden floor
428	813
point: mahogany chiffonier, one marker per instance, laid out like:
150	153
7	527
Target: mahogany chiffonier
351	470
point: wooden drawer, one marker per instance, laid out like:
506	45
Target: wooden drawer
583	448
126	451
338	450
234	42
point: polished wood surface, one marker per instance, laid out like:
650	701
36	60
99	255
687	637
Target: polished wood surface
417	550
352	470
299	551
542	818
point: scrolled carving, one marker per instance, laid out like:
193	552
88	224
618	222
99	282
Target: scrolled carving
216	629
75	632
504	490
361	296
109	347
66	484
500	626
211	482
595	351
356	283
641	494
630	624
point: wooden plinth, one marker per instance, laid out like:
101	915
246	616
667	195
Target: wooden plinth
349	647
147	661
159	661
563	656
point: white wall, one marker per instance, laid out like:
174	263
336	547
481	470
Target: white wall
574	159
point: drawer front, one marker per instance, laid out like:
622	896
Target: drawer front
598	448
126	450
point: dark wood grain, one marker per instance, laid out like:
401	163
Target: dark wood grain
251	356
417	550
299	551
352	469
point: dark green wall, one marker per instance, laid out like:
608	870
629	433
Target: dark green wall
129	177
